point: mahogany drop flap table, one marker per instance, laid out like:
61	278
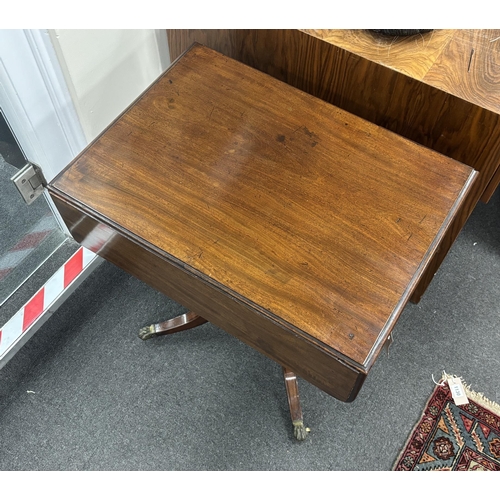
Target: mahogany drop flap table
289	223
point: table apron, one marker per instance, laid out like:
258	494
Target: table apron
310	360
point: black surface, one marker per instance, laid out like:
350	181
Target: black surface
392	32
9	148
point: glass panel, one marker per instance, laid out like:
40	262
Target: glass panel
29	234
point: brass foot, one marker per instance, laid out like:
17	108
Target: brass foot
299	430
148	332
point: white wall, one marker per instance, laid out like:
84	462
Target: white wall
106	70
36	101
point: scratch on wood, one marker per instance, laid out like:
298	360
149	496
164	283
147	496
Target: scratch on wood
470	60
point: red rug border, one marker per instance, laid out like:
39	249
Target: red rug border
476	397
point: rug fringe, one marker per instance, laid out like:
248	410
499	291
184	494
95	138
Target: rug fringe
477	397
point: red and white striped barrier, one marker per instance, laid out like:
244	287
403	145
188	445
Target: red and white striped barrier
43	302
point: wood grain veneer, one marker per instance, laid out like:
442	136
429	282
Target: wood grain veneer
421	88
282	343
290	223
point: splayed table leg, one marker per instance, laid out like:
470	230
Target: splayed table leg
177	324
292	391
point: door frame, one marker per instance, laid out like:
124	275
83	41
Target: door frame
36	101
37	104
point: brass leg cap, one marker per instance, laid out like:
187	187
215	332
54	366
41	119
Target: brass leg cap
299	430
148	332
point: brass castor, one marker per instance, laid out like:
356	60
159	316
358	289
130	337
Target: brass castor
299	430
148	332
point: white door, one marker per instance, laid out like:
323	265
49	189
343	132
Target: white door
43	111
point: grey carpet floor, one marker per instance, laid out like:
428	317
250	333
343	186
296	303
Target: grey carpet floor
85	393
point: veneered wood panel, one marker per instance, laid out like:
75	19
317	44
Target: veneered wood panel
299	227
412	108
319	217
492	186
343	69
283	344
412	55
469	68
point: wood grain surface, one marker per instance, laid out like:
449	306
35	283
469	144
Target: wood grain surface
463	63
282	343
469	67
310	216
493	185
414	55
383	81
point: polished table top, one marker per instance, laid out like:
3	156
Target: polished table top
440	89
309	216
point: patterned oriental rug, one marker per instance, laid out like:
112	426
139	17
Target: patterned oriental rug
454	437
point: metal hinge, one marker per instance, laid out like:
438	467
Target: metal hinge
30	182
